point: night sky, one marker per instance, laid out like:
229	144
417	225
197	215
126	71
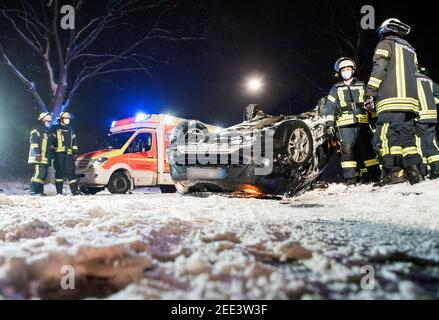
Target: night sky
285	42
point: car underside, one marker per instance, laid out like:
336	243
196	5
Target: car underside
264	155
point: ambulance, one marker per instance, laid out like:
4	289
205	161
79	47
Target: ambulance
133	155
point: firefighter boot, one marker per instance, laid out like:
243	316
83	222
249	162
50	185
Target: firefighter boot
74	188
34	189
414	175
59	187
434	174
394	176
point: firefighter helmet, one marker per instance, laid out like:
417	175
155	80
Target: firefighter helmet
394	26
64	115
45	116
344	62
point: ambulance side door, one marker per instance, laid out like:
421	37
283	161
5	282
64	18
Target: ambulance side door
142	158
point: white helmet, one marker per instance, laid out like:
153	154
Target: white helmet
64	115
344	62
395	26
45	116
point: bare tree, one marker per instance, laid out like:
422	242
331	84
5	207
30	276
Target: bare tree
70	58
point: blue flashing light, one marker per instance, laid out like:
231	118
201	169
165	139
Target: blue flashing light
142	117
113	124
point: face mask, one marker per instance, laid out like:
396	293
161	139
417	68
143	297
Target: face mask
47	124
346	74
66	121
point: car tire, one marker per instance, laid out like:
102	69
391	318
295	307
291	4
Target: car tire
119	183
251	111
91	190
294	142
167	189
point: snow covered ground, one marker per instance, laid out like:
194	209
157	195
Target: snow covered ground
149	245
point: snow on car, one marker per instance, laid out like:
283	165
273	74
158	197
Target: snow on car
265	154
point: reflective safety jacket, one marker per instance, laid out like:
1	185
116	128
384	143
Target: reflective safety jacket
39	145
428	92
345	104
393	80
64	140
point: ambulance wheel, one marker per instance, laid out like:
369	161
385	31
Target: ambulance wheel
91	190
119	183
167	189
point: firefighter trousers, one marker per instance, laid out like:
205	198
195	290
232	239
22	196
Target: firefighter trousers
428	148
357	154
395	138
38	178
65	169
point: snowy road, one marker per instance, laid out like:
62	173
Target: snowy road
216	247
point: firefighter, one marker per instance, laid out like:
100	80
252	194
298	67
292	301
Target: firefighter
428	92
392	89
65	151
39	154
347	119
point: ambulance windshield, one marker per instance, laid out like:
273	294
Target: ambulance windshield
116	140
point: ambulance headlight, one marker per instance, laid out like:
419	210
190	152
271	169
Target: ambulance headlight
98	162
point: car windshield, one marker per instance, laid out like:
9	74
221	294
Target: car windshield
116	141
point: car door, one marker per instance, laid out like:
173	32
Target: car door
142	158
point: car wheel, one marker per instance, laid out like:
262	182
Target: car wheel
91	190
119	183
294	143
251	111
167	189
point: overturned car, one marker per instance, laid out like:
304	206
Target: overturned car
265	154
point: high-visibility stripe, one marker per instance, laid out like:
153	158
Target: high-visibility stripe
399	67
44	147
348	164
363	170
436	100
59	180
361	94
435	144
72	181
382	52
363	118
60	139
36	178
409	151
34	145
35	131
422	98
410	101
433	159
329	118
397	107
396	150
371	163
341	97
384	141
374	82
331	98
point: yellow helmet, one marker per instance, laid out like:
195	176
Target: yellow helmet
45	116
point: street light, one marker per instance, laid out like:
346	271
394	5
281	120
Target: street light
255	85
